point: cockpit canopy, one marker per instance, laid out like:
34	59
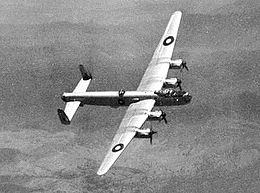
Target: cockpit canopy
170	93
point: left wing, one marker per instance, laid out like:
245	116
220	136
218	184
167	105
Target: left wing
135	116
157	70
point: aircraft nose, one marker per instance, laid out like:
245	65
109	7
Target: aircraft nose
188	98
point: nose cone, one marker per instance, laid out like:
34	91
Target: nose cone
187	97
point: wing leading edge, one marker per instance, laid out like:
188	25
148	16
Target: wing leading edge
134	118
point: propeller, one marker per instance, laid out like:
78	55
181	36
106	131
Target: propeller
151	134
163	117
179	84
184	65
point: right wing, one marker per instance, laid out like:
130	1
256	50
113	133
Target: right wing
134	118
71	107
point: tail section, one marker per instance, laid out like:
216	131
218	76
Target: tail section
71	107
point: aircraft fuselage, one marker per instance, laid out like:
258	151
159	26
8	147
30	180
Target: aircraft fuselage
113	98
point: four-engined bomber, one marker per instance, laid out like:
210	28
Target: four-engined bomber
155	89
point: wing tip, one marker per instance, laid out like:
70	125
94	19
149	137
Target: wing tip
101	172
177	13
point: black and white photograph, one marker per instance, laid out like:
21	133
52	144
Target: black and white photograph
129	96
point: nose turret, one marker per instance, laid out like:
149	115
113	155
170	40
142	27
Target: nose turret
187	97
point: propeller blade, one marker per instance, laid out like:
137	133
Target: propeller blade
151	133
164	117
179	84
184	64
151	136
165	120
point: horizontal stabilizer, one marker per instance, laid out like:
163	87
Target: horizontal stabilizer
63	117
72	106
70	109
85	74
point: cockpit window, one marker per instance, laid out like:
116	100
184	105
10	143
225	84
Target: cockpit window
170	93
180	93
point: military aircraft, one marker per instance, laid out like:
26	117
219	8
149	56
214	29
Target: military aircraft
155	89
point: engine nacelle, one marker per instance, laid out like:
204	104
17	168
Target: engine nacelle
157	116
172	83
143	133
178	64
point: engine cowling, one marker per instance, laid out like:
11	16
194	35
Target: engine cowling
172	83
157	116
145	133
178	64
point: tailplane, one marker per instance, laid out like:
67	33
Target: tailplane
71	107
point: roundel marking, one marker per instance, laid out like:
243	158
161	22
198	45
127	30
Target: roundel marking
118	147
167	41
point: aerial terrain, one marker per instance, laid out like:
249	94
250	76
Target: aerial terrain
209	145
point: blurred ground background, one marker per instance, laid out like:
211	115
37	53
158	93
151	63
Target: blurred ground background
210	145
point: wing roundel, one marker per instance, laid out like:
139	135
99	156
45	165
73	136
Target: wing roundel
167	42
